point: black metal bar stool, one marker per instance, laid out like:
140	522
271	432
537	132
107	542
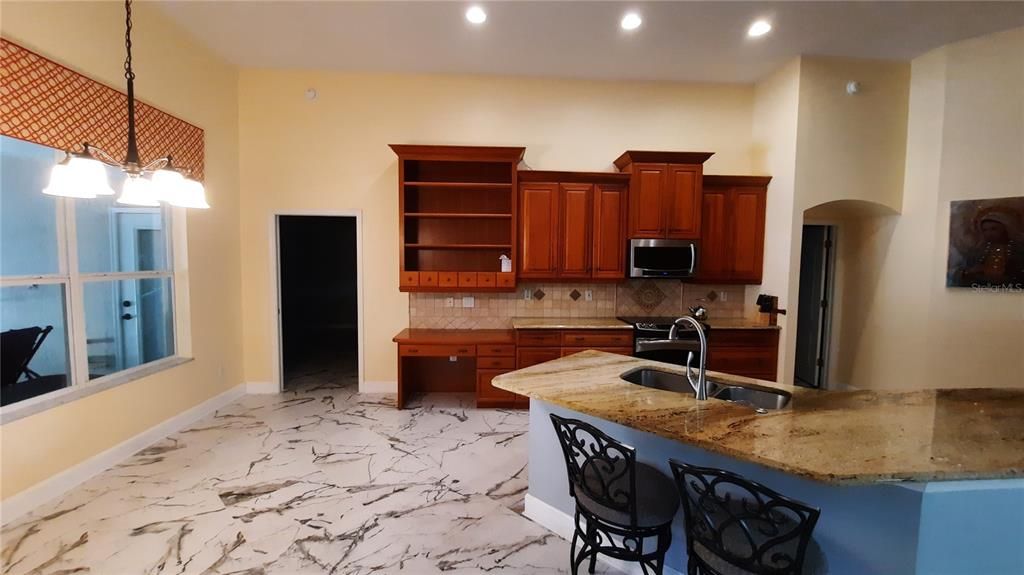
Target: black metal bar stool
738	526
624	509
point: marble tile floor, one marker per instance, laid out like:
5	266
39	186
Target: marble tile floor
316	480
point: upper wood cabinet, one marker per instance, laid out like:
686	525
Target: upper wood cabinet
572	225
457	216
665	193
732	238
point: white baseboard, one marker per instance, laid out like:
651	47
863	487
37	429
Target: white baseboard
378	387
261	387
560	523
49	489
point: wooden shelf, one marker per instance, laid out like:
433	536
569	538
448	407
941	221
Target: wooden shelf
456	215
477	185
458	246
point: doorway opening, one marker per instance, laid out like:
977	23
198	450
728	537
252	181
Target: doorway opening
318	291
814	307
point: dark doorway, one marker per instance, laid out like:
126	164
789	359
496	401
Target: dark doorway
814	307
319	311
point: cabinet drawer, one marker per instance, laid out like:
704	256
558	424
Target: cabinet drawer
619	350
485	279
491	350
448	279
495	363
467	279
428	279
538	337
436	350
743	338
751	362
408	279
525	357
597	338
506	279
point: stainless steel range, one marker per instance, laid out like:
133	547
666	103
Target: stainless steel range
651	340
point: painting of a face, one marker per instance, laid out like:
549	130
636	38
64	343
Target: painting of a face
986	244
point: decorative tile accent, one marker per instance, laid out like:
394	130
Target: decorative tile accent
538	294
575	295
648	296
46	103
712	296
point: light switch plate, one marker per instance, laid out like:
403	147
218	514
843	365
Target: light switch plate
723	295
588	295
468	301
449	302
527	294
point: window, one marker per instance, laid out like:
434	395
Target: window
87	286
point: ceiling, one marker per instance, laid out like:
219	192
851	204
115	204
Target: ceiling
680	41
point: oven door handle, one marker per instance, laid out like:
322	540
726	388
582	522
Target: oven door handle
643	345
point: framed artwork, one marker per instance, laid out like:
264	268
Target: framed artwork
986	244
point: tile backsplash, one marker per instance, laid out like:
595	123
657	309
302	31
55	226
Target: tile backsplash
633	298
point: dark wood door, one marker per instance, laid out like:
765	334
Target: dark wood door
574	242
538	225
683	201
609	231
527	356
747	213
715	255
646	201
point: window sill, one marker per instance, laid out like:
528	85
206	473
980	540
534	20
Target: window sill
38	404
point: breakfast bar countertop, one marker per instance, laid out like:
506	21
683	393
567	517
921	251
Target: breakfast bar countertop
839	437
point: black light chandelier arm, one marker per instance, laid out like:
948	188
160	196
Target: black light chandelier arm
131	160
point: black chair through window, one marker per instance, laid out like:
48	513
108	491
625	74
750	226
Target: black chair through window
738	526
624	509
18	347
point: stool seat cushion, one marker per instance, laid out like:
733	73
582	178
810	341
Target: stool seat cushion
657	499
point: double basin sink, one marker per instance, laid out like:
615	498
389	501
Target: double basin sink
761	399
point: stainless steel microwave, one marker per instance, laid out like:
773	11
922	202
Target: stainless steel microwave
656	258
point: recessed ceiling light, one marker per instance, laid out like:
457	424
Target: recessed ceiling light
631	21
759	28
476	15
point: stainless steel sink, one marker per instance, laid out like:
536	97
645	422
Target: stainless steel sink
759	398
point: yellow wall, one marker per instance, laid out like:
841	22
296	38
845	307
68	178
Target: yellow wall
331	154
902	327
187	81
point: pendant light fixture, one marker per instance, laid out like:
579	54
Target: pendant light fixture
83	175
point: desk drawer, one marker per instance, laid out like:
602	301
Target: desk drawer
495	363
539	337
596	338
436	350
492	350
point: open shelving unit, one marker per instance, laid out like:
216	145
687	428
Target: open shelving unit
457	208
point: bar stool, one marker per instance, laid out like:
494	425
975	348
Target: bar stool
738	526
624	509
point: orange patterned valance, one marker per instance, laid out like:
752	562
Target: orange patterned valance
46	103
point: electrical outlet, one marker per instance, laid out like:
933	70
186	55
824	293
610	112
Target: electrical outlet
723	295
449	302
527	294
468	301
453	358
588	295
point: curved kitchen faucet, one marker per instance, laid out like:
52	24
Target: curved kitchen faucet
700	387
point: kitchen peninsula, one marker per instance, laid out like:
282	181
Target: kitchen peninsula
896	475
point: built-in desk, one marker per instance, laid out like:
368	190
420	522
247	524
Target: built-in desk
457	360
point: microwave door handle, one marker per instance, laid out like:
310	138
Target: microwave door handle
693	257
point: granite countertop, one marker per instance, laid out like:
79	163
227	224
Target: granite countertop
569	323
851	437
739	323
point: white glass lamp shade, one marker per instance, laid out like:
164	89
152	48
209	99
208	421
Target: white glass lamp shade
138	191
168	185
91	174
193	195
63	184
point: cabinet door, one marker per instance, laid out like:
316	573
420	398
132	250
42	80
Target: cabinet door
527	356
747	213
715	256
683	201
646	201
609	232
574	244
538	230
489	396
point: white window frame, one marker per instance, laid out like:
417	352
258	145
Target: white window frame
68	275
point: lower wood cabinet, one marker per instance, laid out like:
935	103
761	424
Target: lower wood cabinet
527	356
747	352
540	345
489	396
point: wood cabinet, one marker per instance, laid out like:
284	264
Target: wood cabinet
665	193
457	215
732	235
572	225
539	345
748	352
